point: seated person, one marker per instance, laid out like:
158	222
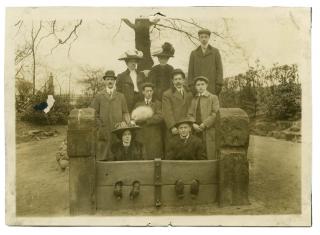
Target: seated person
185	146
127	149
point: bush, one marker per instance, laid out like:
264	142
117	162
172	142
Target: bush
57	115
285	101
274	93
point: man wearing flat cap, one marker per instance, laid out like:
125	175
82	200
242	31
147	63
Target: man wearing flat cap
111	108
203	109
206	61
175	103
150	134
129	82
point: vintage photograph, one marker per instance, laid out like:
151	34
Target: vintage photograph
195	116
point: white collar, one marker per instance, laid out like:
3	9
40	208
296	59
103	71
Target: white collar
179	89
205	93
204	47
125	144
185	138
110	91
148	100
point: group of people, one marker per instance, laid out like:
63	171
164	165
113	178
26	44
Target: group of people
163	114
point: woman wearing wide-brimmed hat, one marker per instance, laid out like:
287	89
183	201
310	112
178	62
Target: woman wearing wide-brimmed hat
129	81
160	74
127	149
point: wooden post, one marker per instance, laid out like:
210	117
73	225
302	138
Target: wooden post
81	150
232	139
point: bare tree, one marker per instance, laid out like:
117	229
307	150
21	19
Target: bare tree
38	33
92	80
143	27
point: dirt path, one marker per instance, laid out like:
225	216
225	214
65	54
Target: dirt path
42	188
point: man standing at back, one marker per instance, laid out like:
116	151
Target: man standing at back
206	61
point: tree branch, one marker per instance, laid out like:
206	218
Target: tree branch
128	22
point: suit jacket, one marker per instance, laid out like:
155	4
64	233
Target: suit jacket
109	111
125	85
174	106
134	152
191	149
150	134
208	65
209	104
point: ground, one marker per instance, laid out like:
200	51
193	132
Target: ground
42	187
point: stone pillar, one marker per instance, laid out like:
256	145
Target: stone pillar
232	140
81	138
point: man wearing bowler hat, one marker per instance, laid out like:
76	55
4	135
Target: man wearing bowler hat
206	61
111	108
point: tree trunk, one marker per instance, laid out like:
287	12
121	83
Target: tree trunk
143	43
141	29
33	70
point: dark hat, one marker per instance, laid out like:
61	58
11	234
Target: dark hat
134	54
201	78
109	73
187	120
178	71
204	31
122	126
147	84
167	50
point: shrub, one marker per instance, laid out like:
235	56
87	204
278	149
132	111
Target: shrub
57	115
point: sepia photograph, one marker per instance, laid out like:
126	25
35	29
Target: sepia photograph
158	116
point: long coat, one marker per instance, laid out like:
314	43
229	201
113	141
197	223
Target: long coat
174	106
209	104
208	65
160	76
109	111
150	134
134	152
125	85
190	149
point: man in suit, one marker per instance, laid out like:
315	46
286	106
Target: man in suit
111	108
175	103
150	134
206	61
129	82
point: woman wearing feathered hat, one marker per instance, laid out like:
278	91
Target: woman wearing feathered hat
127	149
129	82
160	74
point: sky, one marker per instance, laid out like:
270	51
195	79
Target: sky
272	35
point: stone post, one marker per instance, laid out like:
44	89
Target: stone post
232	139
81	150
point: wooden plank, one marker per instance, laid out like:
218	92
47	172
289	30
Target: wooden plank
207	195
107	201
82	185
108	173
204	171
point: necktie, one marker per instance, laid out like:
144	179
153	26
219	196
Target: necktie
198	111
